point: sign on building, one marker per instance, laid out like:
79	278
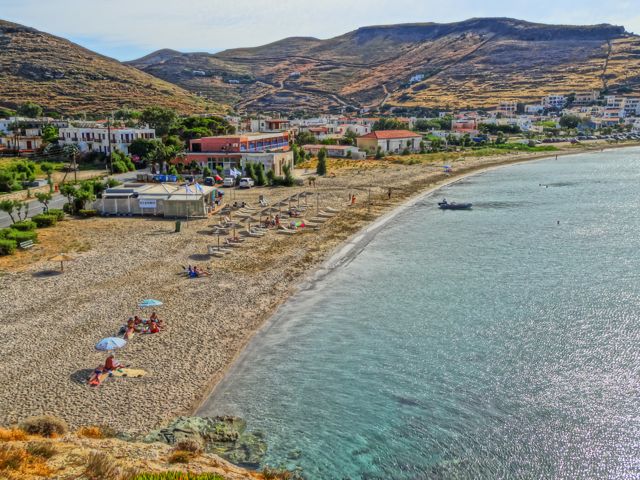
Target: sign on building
147	203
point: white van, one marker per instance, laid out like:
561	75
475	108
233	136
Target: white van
228	182
246	182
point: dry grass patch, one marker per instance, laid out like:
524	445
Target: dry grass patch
12	435
45	426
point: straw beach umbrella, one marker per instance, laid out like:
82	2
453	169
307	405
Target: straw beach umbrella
62	257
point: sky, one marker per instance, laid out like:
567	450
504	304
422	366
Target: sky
129	29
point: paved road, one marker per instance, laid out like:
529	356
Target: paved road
35	207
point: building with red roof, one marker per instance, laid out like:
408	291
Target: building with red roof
390	141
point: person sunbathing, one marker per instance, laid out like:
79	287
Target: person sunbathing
112	364
153	317
154	328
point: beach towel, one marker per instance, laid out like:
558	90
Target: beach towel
128	372
97	377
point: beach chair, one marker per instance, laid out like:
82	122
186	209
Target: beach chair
228	243
214	249
287	231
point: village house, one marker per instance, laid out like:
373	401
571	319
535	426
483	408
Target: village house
270	125
533	109
390	141
227	152
508	109
465	125
337	151
103	139
586	98
554	101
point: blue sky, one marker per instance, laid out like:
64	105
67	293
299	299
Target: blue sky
127	29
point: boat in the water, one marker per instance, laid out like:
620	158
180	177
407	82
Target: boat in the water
444	205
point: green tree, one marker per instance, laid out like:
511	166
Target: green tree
206	172
389	124
288	180
379	153
349	138
9	207
261	178
160	118
321	169
50	133
306	138
143	147
44	199
47	168
30	109
570	121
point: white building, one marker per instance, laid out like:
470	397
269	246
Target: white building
390	141
533	109
96	139
508	108
338	151
554	101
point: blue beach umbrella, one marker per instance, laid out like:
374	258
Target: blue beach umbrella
149	303
110	343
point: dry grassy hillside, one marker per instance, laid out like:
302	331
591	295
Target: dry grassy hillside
473	63
60	75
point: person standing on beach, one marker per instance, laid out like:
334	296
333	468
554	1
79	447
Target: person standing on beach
389	193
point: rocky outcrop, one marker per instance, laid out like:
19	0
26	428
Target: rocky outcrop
225	436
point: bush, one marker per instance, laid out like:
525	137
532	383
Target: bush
101	466
19	236
24	226
90	432
59	214
189	445
45	220
180	456
45	426
88	213
8	247
178	476
12	435
67	208
270	473
44	450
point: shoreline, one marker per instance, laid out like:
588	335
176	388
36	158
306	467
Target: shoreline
54	321
351	247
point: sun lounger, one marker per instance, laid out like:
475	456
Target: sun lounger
326	214
214	250
331	210
232	244
287	231
318	219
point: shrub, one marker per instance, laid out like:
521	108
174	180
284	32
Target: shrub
24	225
67	208
8	247
270	473
45	426
45	220
59	214
90	432
44	450
12	435
102	466
19	236
11	458
88	213
178	476
189	445
180	456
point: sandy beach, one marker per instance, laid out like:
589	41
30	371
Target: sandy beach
49	324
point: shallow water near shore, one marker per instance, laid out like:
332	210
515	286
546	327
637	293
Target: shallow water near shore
492	343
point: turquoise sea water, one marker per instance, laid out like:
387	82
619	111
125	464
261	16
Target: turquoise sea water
493	343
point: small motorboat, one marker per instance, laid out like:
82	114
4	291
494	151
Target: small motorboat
444	205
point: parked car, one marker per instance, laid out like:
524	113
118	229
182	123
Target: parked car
246	182
228	182
209	181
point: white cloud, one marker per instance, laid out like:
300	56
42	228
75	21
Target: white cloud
126	28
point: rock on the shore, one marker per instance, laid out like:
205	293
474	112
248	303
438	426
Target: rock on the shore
225	436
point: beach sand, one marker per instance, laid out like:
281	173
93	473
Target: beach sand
49	324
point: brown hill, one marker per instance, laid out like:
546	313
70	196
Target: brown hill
60	75
477	62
